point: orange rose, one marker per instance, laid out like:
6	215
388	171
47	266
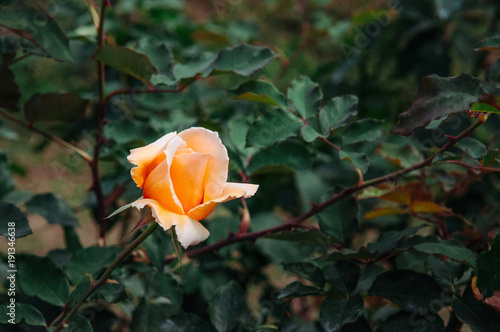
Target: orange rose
183	177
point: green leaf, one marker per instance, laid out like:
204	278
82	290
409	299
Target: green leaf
488	44
311	187
50	286
365	130
78	323
405	321
53	208
343	276
185	73
336	312
238	132
127	61
307	271
261	92
9	91
157	247
91	260
419	298
242	60
274	126
158	53
446	273
346	253
358	159
11	214
164	285
120	209
227	306
484	108
390	240
65	107
151	315
290	154
404	155
280	252
488	269
340	219
309	134
472	147
297	289
453	248
437	98
48	36
335	114
479	316
186	322
17	197
305	96
72	240
23	313
309	236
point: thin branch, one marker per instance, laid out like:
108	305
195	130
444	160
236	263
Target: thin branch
132	92
477	168
19	58
295	222
331	144
104	278
59	141
99	140
114	195
426	162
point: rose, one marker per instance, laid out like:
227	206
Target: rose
183	177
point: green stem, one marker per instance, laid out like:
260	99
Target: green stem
102	280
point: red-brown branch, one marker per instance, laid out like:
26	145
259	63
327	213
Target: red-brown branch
296	222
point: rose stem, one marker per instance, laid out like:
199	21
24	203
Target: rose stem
103	279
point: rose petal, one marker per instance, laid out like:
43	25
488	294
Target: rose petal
231	191
205	141
189	231
158	185
187	172
162	216
147	158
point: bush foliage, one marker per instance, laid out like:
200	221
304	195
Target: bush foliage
371	128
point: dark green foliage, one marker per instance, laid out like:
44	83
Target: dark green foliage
303	94
11	214
50	286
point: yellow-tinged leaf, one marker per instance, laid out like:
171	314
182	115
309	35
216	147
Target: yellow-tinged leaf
265	99
371	192
385	211
428	207
398	195
210	37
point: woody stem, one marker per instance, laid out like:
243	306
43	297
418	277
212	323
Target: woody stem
102	280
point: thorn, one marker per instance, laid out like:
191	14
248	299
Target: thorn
92	281
452	138
111	281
